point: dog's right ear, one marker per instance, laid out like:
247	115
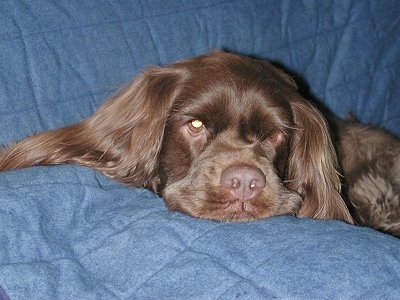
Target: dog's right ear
313	167
122	139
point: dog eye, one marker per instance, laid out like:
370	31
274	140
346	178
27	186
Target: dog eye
195	126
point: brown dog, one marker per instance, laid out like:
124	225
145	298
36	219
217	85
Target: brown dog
219	136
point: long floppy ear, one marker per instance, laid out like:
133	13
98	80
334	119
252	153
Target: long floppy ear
313	168
122	139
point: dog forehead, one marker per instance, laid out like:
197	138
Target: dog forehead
214	101
247	110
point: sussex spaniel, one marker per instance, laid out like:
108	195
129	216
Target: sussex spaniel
219	136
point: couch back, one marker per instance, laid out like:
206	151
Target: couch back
59	60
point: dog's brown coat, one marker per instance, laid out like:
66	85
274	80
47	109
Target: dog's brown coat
249	114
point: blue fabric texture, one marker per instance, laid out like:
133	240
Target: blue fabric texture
68	232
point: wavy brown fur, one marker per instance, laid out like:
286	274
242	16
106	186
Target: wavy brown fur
253	118
371	163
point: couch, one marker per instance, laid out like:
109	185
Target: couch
68	232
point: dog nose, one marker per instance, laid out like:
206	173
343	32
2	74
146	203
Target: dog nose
244	182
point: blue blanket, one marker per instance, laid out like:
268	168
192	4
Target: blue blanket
73	234
68	232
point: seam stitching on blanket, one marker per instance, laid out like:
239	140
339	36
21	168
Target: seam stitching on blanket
187	247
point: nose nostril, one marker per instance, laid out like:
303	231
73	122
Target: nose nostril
235	183
243	182
253	184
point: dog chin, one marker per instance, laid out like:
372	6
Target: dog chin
220	206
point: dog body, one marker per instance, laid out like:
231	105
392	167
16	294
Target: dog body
219	136
370	160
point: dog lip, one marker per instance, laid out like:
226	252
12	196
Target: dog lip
238	210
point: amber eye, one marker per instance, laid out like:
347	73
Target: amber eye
195	126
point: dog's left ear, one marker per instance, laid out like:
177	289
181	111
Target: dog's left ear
122	139
313	168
